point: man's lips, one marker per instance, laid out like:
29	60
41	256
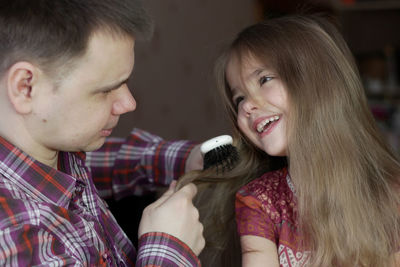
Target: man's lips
106	132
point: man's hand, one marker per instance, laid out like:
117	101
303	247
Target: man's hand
194	160
174	213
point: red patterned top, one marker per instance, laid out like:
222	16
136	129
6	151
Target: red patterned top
266	207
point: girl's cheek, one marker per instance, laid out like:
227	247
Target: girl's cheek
242	127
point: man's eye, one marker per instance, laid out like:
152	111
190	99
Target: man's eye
237	101
107	92
265	79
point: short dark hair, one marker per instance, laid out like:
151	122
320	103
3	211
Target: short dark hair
51	32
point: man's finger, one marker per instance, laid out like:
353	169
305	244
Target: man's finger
167	194
173	185
190	190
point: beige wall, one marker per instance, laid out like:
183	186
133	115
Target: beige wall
173	79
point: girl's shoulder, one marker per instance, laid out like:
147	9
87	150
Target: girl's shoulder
269	181
274	184
273	194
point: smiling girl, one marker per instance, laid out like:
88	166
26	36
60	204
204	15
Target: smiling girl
328	186
292	89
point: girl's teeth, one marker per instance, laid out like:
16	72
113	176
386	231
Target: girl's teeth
261	125
260	128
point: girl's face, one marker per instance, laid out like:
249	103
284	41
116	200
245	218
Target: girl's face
261	101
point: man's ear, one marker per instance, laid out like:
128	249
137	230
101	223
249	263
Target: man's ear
20	79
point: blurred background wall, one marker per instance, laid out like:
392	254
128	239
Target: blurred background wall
173	79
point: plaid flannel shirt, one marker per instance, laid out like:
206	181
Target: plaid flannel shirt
56	218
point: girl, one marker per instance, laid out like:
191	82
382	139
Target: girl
293	89
329	195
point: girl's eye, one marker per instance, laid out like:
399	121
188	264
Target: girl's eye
237	101
265	79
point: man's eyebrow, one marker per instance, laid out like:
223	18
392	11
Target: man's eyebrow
114	86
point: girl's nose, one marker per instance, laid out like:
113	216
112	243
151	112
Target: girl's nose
249	106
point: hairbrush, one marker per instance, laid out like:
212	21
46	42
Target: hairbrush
219	152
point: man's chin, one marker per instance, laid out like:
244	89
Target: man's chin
94	145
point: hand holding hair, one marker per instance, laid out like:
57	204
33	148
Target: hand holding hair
174	213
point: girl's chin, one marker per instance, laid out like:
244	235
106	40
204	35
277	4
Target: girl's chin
273	151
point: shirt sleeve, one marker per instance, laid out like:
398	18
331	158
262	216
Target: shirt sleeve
251	218
160	249
137	164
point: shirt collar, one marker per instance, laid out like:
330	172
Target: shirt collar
36	179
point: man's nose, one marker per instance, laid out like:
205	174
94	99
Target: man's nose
124	102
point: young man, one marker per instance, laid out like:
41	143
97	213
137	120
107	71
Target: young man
63	85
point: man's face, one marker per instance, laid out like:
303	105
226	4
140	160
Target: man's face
84	108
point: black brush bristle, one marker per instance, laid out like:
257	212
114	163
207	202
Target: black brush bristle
223	158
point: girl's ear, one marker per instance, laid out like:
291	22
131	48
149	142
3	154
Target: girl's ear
20	80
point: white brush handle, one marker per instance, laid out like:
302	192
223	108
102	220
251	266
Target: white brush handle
215	142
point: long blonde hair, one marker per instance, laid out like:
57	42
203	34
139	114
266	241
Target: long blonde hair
216	198
346	177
